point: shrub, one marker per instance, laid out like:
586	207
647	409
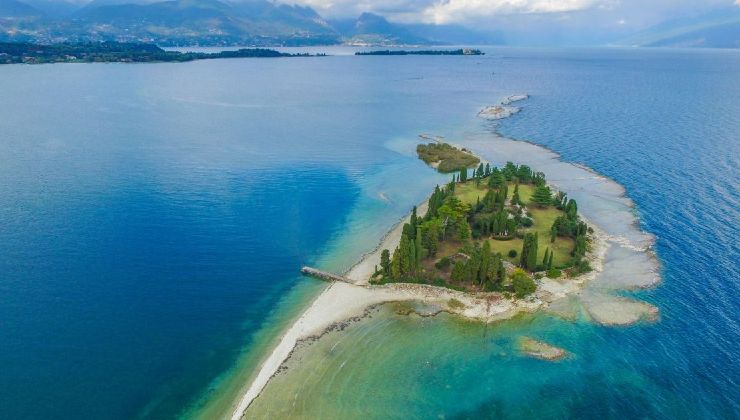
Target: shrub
554	273
443	263
581	266
455	304
527	222
522	283
512	253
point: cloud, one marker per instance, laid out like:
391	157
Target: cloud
446	11
461	10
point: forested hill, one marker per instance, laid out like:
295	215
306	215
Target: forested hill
12	53
211	22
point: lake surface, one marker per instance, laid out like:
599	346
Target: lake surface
153	218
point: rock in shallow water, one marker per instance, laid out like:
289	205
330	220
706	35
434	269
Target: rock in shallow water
540	350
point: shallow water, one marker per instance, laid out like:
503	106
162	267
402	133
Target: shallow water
154	217
382	367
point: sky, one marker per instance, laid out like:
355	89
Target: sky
591	21
517	22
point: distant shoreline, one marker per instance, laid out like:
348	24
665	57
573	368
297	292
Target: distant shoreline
122	52
459	51
118	52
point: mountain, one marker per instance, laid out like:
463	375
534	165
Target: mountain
372	29
57	8
454	35
718	29
180	22
16	9
210	22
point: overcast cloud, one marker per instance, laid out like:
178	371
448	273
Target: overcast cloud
586	13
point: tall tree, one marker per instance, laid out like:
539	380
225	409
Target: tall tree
496	178
571	209
515	196
542	196
385	262
485	262
528	258
419	248
413	220
396	264
532	255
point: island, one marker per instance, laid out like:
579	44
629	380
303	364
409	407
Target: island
460	51
488	245
445	157
493	230
118	52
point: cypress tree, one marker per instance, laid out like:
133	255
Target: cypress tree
554	231
396	264
404	254
413	220
515	197
419	249
485	262
525	250
532	255
385	262
411	256
500	269
571	209
528	257
549	262
546	257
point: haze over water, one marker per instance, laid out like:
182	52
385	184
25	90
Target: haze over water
153	216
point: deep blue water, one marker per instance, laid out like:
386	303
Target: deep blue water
666	127
151	216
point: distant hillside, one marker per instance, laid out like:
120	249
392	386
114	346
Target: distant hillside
15	9
372	29
173	22
719	29
210	22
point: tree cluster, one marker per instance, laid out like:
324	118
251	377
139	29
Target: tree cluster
478	265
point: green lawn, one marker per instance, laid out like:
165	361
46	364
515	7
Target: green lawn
469	193
543	219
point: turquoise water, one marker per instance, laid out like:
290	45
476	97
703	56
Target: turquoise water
154	215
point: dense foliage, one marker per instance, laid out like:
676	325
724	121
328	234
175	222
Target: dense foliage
461	242
448	158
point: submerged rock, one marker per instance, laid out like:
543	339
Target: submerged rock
498	112
540	350
615	310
